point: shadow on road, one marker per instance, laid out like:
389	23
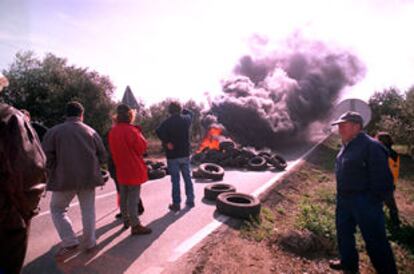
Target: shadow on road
47	263
119	257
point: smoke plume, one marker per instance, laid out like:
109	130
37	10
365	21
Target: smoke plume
273	98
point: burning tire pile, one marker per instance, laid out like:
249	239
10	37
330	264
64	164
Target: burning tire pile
228	155
211	163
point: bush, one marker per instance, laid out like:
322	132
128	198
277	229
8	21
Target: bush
318	218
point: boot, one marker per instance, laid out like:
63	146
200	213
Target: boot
140	230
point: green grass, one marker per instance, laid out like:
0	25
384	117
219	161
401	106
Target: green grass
260	228
327	195
318	217
316	209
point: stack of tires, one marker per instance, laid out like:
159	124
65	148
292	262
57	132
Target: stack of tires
229	155
156	169
232	203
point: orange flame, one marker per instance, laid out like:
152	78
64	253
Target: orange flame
211	139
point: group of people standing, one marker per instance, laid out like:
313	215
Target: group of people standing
75	154
72	154
68	162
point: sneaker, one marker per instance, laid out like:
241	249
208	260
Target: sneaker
66	252
140	230
337	265
174	207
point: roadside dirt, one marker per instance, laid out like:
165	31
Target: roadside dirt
228	250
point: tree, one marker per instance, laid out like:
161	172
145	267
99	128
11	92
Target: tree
408	119
394	113
43	87
385	103
159	112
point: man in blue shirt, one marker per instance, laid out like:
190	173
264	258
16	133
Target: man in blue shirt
363	182
174	133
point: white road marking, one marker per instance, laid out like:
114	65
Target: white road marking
96	198
153	270
77	203
205	231
272	180
197	237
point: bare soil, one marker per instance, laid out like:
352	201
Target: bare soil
228	250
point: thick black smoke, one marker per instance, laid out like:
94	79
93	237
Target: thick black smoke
273	98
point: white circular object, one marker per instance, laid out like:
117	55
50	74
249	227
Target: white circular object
352	105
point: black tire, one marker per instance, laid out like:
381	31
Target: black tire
238	205
278	162
211	171
264	154
212	191
241	161
157	165
257	163
197	174
226	145
156	174
197	158
247	153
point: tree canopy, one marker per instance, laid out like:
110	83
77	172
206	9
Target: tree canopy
393	111
43	87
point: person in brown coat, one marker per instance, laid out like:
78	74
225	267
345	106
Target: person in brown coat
22	177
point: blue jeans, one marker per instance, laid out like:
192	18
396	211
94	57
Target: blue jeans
174	168
366	212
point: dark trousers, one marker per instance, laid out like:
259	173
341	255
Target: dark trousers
393	210
365	212
13	246
112	171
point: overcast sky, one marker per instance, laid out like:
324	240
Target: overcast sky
183	48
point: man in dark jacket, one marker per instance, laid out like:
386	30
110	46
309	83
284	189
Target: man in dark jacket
174	133
364	180
74	153
22	182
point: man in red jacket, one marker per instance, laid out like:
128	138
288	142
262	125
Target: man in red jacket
127	146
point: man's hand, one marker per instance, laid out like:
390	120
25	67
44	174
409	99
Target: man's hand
170	146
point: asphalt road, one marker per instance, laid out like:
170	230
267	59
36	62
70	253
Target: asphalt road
173	233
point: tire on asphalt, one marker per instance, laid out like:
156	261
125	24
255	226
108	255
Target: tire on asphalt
196	174
157	165
211	171
238	205
212	191
257	163
278	162
156	174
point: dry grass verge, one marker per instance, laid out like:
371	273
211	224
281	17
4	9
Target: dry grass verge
296	232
